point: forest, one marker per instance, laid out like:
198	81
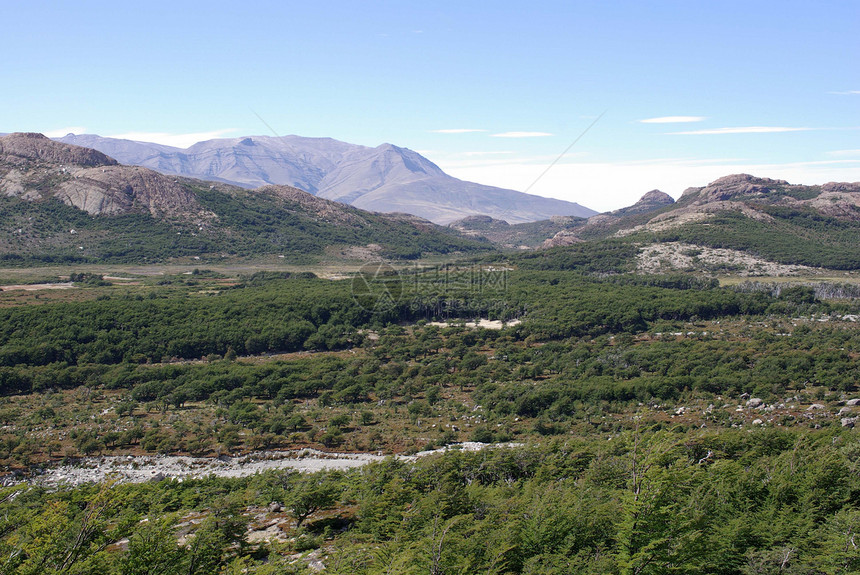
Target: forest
631	424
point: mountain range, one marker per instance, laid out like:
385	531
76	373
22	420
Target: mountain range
386	178
68	204
64	203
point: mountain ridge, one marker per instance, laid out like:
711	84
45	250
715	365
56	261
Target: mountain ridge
386	178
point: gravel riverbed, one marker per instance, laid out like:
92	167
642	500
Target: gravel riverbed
139	469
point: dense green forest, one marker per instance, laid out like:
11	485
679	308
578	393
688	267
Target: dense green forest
639	424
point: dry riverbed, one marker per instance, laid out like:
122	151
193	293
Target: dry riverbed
158	467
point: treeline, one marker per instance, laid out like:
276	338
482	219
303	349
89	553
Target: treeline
285	315
597	257
300	313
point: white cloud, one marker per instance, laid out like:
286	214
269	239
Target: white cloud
500	152
672	120
846	93
741	130
59	133
605	186
522	135
844	153
175	140
457	131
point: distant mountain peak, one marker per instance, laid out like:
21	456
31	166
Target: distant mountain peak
386	178
656	197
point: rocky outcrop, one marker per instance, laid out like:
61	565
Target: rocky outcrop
562	238
733	187
651	201
478	221
655	198
33	168
326	210
19	148
118	190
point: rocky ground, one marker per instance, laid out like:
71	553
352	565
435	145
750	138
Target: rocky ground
677	256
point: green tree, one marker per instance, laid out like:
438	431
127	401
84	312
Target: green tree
309	494
152	549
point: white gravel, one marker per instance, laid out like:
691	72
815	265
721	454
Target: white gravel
157	467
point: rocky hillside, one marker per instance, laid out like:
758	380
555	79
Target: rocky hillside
739	222
597	225
386	178
34	167
65	203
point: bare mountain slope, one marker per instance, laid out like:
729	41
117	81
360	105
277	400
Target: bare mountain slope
34	167
385	178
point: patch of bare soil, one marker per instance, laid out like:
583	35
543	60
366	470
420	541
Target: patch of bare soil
37	287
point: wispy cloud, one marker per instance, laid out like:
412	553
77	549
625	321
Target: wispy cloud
175	140
60	132
522	135
672	120
740	130
846	93
500	152
844	153
457	131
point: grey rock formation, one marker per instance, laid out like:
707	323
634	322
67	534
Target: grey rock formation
22	147
33	167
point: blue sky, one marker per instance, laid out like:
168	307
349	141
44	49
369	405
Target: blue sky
491	91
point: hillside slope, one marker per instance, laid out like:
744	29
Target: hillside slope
65	203
740	222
